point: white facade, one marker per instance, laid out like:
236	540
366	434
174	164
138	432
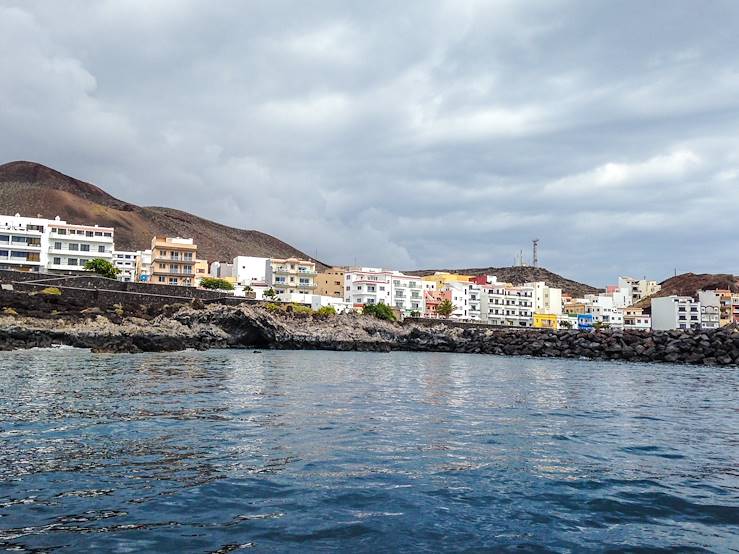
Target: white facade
126	261
291	275
368	285
143	265
710	302
546	300
71	246
249	270
24	243
638	288
508	305
675	312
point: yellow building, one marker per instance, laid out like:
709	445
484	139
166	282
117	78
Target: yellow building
331	282
545	321
201	270
173	261
442	277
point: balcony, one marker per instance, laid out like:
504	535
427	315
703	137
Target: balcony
287	271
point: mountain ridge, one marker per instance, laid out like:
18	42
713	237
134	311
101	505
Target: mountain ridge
33	189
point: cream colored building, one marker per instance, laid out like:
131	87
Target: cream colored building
331	282
173	261
291	275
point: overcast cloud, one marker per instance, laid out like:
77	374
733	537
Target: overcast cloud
401	134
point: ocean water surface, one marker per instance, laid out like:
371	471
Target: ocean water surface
225	451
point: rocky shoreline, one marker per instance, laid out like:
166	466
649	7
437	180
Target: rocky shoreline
249	326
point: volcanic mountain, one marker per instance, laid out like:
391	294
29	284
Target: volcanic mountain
688	284
32	189
519	275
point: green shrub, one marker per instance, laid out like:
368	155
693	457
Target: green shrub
272	307
380	311
325	311
214	283
299	309
51	291
102	267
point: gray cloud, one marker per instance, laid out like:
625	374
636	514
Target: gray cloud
407	134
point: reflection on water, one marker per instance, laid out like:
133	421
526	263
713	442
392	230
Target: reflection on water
227	450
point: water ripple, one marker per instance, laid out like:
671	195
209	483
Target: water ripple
224	451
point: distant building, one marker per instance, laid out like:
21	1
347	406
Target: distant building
143	265
24	243
710	302
126	262
221	270
331	282
545	321
585	322
71	245
368	285
173	261
250	270
291	275
675	312
638	288
635	318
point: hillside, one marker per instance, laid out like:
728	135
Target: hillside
518	275
688	284
32	189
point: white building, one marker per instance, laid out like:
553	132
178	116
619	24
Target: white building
675	312
143	265
638	288
250	269
710	302
24	243
635	318
508	305
126	262
71	245
291	275
546	300
369	285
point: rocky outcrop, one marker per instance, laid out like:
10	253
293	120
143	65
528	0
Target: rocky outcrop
218	326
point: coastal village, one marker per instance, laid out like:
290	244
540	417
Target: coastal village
54	246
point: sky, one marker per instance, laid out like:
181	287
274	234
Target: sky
414	134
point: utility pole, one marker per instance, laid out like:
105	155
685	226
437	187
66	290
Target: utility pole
535	260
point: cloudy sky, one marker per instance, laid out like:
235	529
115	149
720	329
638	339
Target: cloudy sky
403	134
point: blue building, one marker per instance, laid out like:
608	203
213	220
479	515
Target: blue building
585	322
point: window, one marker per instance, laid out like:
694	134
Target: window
4	238
161	278
19	240
57	261
107	234
101	248
98	234
73	246
71	261
85	247
61	231
18	254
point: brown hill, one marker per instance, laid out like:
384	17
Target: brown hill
519	275
32	189
688	284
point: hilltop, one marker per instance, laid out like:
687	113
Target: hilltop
32	189
519	275
688	284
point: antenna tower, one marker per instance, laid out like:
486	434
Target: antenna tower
535	261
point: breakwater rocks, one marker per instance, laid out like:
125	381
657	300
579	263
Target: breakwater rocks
218	326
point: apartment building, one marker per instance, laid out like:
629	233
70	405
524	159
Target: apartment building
432	298
367	285
638	288
546	300
331	282
675	312
291	275
173	261
461	295
24	243
710	302
635	318
508	305
126	262
71	245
